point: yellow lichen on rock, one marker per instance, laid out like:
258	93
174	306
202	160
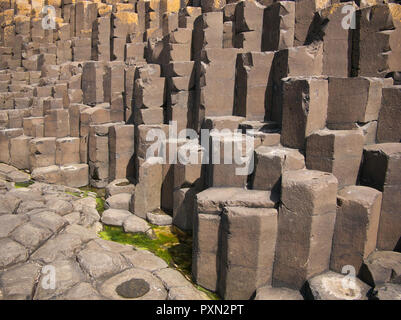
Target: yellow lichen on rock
395	10
104	9
173	5
321	4
23	9
125	7
8	17
54	3
127	17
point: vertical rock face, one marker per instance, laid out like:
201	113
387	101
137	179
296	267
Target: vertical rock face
268	129
336	151
381	170
305	226
357	223
304	109
376	41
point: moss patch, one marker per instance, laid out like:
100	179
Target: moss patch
23	184
100	196
171	244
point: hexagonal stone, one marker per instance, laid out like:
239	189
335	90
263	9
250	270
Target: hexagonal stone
27	206
135	224
269	293
119	186
172	278
119	201
186	293
78	205
9	222
18	282
381	267
26	194
100	263
67	274
100	244
159	218
146	260
81	291
73	218
61	207
335	286
50	220
156	288
11	252
9	204
388	291
115	217
31	235
84	234
61	247
89	216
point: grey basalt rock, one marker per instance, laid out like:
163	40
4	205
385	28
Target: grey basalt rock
156	288
134	224
270	293
159	218
115	217
335	286
387	291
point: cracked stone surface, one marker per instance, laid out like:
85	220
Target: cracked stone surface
49	249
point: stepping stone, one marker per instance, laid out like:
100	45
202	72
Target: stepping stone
146	260
186	293
119	186
18	176
101	263
11	253
380	267
10	222
119	201
19	282
387	291
67	274
31	235
156	291
81	291
335	286
115	217
172	278
269	293
135	224
159	218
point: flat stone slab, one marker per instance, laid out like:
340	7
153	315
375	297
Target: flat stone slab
269	293
55	233
387	291
119	201
135	224
159	218
156	288
115	217
335	286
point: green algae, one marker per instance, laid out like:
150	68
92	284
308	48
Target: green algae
170	243
25	184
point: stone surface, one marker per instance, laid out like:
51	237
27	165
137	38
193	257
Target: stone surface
159	218
381	267
135	224
269	293
115	217
336	286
